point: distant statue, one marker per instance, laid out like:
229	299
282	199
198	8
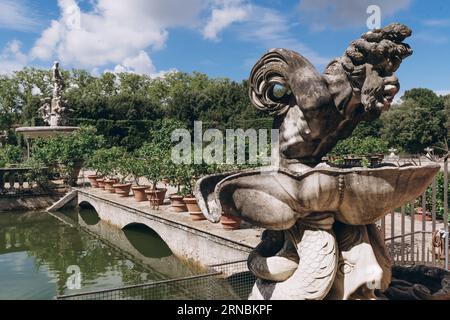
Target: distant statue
58	81
54	110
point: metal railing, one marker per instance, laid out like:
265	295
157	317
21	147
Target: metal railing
414	233
226	281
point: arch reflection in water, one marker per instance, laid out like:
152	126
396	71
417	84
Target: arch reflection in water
88	214
146	241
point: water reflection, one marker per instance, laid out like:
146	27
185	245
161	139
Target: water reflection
36	249
89	216
146	241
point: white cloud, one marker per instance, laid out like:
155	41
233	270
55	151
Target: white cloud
35	91
442	92
12	58
266	27
14	14
122	34
113	32
141	64
270	29
223	17
323	14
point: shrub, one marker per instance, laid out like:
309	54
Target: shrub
106	161
67	153
156	160
10	155
360	146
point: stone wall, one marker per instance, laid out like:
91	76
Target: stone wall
27	202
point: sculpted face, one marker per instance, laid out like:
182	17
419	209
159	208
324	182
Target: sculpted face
314	111
370	63
378	92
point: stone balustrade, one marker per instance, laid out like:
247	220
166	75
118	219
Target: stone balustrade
18	180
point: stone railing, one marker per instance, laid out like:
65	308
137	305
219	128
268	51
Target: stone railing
19	180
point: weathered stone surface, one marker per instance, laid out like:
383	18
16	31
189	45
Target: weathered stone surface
199	241
306	255
54	111
27	202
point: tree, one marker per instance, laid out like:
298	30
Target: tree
447	113
416	123
360	146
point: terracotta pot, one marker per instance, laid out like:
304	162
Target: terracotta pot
419	215
156	197
193	208
93	180
230	222
101	183
177	203
109	184
139	193
123	190
73	176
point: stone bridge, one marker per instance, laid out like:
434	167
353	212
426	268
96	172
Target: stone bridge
199	241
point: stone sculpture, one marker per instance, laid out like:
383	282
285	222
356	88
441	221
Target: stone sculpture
320	240
54	110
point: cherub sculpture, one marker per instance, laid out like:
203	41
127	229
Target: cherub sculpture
321	241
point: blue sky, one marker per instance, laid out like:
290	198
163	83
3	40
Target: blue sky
222	38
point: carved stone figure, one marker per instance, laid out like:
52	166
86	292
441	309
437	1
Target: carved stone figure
321	241
45	110
54	112
58	81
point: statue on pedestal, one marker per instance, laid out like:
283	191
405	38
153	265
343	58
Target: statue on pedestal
54	110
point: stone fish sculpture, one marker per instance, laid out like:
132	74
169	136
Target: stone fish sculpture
320	240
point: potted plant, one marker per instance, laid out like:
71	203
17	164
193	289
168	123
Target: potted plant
123	170
105	161
421	215
93	163
136	168
157	159
192	173
68	153
175	176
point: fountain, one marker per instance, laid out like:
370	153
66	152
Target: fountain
321	241
53	111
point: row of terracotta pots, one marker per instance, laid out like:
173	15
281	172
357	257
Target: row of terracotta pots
156	198
229	222
141	193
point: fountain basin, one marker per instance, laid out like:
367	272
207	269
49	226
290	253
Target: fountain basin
277	199
45	131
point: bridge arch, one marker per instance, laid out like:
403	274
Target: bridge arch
183	239
146	240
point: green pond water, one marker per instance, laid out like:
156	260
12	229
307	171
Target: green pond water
39	252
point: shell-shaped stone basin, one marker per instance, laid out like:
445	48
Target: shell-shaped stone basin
276	199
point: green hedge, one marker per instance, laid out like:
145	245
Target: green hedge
129	134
